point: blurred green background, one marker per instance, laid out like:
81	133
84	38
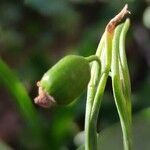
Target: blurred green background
34	35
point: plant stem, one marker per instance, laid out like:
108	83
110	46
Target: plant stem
94	58
95	93
100	89
89	144
97	83
96	108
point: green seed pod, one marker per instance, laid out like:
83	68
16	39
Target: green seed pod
64	82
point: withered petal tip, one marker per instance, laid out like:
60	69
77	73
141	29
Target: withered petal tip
44	99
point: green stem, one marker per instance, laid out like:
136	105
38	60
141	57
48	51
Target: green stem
101	87
96	108
97	83
95	93
90	97
94	58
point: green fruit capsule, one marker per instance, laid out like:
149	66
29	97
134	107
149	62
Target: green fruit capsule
64	82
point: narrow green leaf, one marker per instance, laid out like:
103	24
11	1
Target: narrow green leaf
21	98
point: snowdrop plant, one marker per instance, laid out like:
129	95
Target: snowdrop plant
66	80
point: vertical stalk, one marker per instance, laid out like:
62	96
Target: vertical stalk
89	134
101	87
97	83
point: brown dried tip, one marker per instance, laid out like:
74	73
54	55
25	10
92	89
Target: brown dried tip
44	99
113	22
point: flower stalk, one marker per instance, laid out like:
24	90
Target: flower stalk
114	62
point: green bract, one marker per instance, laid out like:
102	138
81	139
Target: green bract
64	82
